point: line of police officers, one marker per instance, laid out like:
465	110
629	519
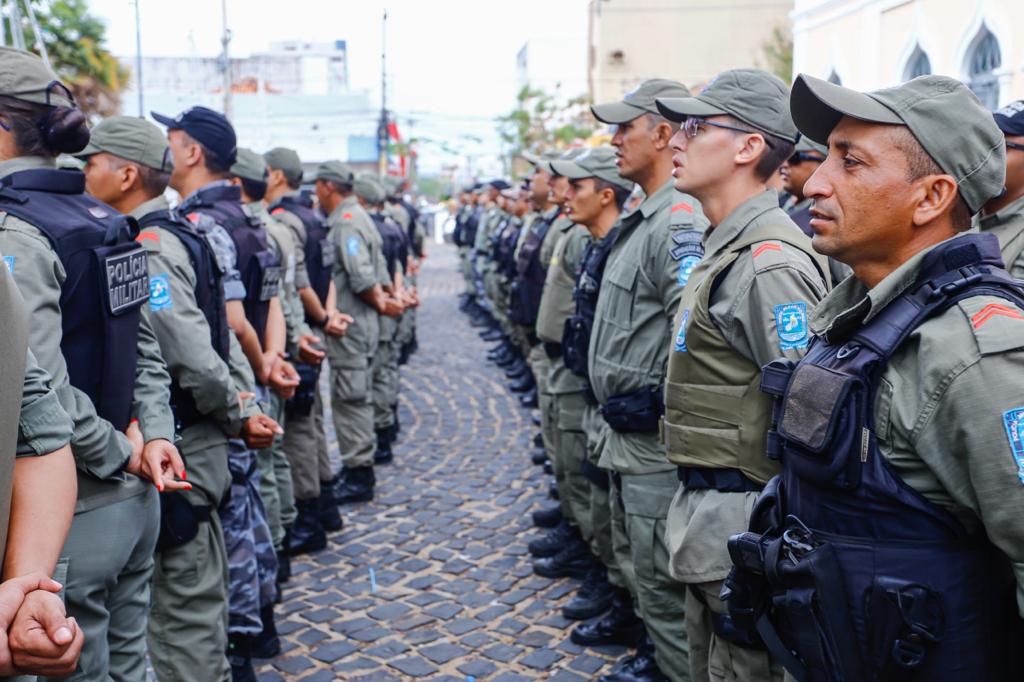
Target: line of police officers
170	453
787	436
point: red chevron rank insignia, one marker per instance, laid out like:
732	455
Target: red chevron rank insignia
994	310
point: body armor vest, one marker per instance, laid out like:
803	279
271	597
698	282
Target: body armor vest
508	238
576	338
258	265
528	284
394	248
716	416
319	249
209	293
848	573
107	282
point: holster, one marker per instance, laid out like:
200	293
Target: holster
301	404
636	412
179	520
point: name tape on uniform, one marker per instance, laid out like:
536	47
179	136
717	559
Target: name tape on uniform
127	280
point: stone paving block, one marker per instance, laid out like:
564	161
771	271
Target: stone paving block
332	651
541	659
392	611
444	611
502	653
388	649
414	666
443	652
477	669
461	626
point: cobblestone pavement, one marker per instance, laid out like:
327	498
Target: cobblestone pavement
432	580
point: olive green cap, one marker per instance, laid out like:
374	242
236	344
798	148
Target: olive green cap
942	114
132	139
249	165
287	161
25	76
336	171
392	184
639	101
598	162
369	187
541	160
753	96
806	144
564	156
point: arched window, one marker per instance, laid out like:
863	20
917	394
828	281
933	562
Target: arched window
983	59
834	78
917	65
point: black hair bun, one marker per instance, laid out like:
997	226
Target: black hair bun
65	130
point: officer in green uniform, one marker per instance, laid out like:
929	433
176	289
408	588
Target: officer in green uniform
305	442
745	302
1003	216
128	166
358	271
592	199
109	564
920	496
640	290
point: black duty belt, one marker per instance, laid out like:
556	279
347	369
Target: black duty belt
723	480
553	350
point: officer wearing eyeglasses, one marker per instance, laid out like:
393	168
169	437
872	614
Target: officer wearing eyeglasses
1003	216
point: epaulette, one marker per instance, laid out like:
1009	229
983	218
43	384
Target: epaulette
681	214
998	324
149	240
767	255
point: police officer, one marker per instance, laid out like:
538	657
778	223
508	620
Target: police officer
593	195
358	271
305	442
806	157
128	165
1003	215
745	302
640	291
84	280
911	521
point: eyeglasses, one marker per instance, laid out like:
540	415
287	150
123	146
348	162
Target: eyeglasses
693	123
800	157
1015	145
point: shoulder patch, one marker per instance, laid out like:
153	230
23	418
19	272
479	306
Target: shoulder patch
766	255
998	324
9	262
160	293
680	343
346	216
1013	422
149	241
352	245
686	243
681	214
791	325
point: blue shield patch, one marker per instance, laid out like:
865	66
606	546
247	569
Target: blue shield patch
9	262
791	325
159	293
352	245
1013	420
680	344
686	266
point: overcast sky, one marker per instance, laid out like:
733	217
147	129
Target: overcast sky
454	59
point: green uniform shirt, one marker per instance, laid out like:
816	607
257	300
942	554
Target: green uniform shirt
298	231
100	450
1008	226
359	266
639	295
282	242
556	304
43	425
943	403
180	325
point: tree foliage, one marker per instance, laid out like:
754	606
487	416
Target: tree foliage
539	122
75	43
778	53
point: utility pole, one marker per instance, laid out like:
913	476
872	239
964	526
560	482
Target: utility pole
382	125
225	59
138	59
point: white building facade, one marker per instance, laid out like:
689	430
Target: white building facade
870	44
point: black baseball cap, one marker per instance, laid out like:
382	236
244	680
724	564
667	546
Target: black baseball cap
206	126
1010	118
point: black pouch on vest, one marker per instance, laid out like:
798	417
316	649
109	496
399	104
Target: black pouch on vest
636	412
179	520
301	404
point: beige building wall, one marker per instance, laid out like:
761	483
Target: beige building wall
686	40
868	43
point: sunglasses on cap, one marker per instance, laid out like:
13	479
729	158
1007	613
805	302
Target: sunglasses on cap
693	123
1015	145
800	157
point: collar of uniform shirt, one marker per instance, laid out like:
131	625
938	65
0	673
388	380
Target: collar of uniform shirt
1007	211
159	203
720	236
20	163
656	201
852	304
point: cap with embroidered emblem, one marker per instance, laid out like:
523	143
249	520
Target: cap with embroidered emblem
132	139
752	96
930	107
639	101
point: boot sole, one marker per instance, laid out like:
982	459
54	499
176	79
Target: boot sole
307	549
368	497
578	574
585	614
624	639
545	553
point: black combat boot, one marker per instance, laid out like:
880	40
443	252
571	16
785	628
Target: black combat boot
356	485
327	508
553	541
530	398
639	666
266	644
518	368
494	334
572	561
538	439
548	518
523	384
593	598
538	457
383	454
307	534
284	563
240	658
619	626
397	428
549	469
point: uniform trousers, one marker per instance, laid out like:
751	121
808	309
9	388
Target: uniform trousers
276	488
352	410
385	375
599	507
305	446
571	447
188	619
110	563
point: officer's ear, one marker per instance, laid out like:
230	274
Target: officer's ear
129	175
938	194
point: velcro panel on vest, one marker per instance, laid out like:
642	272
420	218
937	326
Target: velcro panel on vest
815	395
998	324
